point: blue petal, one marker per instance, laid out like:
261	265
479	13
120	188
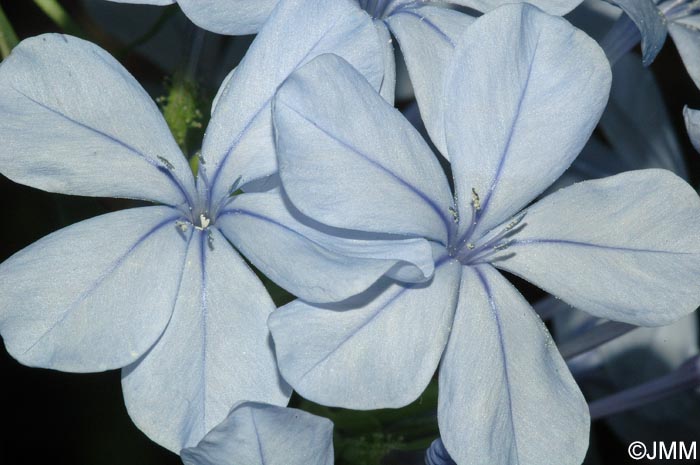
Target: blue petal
388	86
510	138
239	141
428	36
377	350
505	391
692	123
686	35
215	351
350	160
636	121
84	298
625	248
232	17
146	2
76	122
555	7
651	23
310	264
260	434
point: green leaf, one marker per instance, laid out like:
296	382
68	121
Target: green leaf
60	16
8	38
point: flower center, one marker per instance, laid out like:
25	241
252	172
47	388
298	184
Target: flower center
202	223
473	251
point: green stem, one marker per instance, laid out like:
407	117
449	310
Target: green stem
8	38
58	15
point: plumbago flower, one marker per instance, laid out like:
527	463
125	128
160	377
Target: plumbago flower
236	17
654	19
263	434
426	31
616	248
603	358
158	290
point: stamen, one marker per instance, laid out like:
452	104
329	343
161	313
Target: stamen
203	222
470	246
455	214
166	163
516	221
476	201
182	225
210	240
503	245
684	378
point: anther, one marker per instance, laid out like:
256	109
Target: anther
455	214
210	240
203	222
470	246
166	163
182	225
503	245
516	221
476	201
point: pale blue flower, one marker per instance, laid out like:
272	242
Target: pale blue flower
654	19
525	90
604	359
426	31
247	16
261	434
159	290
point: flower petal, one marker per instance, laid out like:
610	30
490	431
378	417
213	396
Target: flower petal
510	138
350	160
636	121
651	24
625	248
216	350
145	2
428	36
231	17
93	296
692	123
686	35
504	389
239	141
76	122
388	87
310	264
377	350
554	7
261	434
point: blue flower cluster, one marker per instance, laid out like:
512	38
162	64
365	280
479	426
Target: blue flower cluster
393	243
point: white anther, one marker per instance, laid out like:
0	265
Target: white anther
476	201
182	225
455	214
